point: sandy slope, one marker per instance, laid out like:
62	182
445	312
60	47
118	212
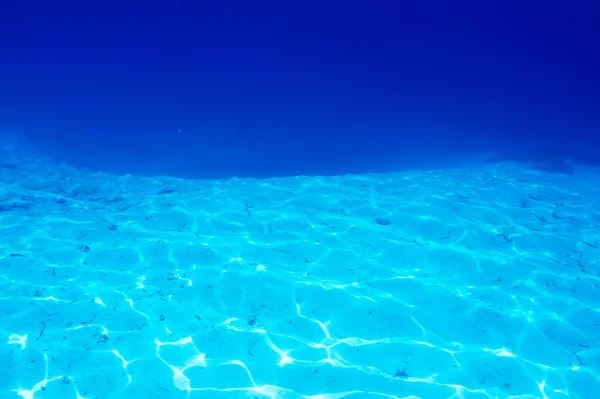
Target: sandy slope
473	283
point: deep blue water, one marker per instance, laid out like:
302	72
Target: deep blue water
270	88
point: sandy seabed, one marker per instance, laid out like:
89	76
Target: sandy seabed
480	282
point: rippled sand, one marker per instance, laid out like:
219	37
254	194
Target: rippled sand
464	283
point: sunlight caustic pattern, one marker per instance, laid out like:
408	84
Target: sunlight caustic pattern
473	283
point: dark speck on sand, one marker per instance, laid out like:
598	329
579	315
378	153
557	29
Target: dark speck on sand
382	221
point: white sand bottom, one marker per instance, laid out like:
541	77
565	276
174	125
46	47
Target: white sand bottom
466	283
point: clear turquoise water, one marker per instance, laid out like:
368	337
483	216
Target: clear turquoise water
478	282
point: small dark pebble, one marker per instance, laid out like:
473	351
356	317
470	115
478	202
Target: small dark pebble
401	374
382	221
83	248
102	339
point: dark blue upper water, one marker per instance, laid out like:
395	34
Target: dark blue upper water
271	88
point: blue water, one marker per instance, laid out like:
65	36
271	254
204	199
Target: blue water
299	200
